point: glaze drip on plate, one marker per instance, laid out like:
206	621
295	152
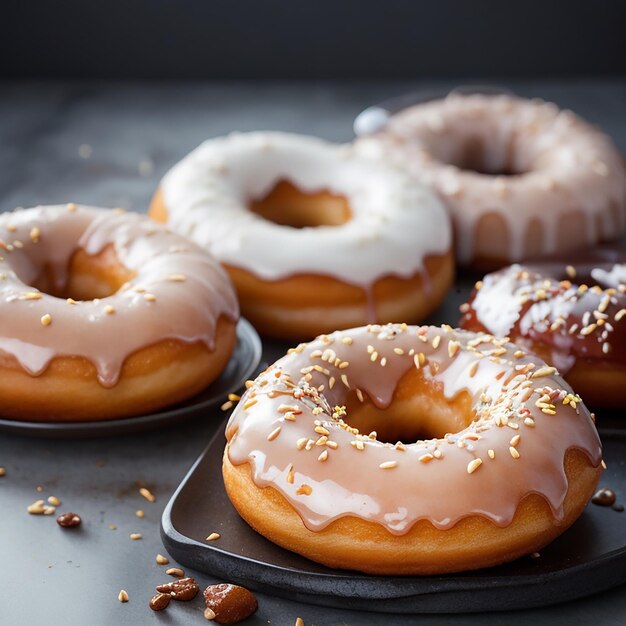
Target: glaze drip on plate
177	291
292	428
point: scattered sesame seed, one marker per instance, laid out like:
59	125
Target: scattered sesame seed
323	456
491	454
136	536
147	494
388	465
514	452
213	537
161	560
274	434
46	319
122	596
109	310
149	297
473	465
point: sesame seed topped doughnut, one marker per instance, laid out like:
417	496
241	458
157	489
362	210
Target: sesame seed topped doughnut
521	178
573	316
400	449
314	236
105	313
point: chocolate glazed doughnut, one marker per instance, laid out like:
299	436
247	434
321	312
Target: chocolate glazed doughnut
572	315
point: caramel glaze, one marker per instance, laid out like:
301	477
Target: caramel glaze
293	429
566	312
174	290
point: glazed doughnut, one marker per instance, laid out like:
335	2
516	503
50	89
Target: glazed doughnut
482	453
521	178
574	317
105	314
314	237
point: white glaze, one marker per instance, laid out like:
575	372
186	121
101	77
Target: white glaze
569	167
395	222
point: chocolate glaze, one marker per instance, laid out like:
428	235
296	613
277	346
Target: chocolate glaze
575	314
277	427
190	289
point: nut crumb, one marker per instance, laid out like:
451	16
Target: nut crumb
122	596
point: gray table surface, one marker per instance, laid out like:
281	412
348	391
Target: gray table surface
108	144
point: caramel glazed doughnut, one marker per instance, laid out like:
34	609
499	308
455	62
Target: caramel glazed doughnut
506	455
313	236
521	178
105	314
579	327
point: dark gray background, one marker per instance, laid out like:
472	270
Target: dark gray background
312	39
135	132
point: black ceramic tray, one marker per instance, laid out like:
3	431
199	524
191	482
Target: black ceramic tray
242	365
589	557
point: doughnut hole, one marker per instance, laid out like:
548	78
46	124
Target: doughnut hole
88	276
418	410
286	205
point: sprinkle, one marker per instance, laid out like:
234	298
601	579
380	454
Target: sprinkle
436	341
274	434
388	465
529	421
570	270
346	340
620	314
543	371
426	458
587	330
514	452
136	536
320	430
227	405
359	395
71	207
603	464
177	278
398	351
213	537
147	494
46	319
304	490
290	475
71	301
301	443
31	295
373	356
473	369
453	348
472	466
383	361
249	403
359	445
344	380
323	456
491	454
515	440
35	234
149	297
109	310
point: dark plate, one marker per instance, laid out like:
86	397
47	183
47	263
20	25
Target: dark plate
242	365
589	557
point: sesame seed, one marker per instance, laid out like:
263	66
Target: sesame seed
149	297
304	490
491	454
177	278
35	234
301	442
359	395
71	207
31	295
122	596
213	537
344	380
620	314
529	421
571	271
320	430
323	456
70	301
436	341
515	440
227	405
274	434
388	465
109	310
543	371
514	452
399	351
472	466
426	458
453	348
147	494
346	340
136	536
46	319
